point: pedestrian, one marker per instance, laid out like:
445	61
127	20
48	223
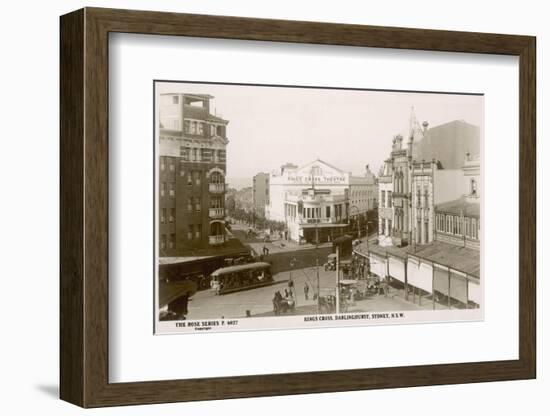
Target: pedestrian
306	291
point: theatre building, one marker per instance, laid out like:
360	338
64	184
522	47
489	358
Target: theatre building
314	200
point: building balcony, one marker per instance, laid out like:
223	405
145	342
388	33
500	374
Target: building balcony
216	240
216	212
216	188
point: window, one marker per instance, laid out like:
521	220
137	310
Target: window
316	171
187	126
327	209
172	189
215	202
189	204
172	216
163	188
389	199
190	179
473	187
221	156
197	177
216	177
197	204
175	99
198	232
212	130
162	162
163	215
200	128
172	241
219	131
383	199
163	241
426	198
207	155
190	230
171	164
185	153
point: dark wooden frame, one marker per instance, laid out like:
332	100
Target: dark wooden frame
84	207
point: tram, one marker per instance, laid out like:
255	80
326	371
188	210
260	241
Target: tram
241	277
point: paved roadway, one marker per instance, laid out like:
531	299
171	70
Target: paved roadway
207	305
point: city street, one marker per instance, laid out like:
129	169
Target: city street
274	245
207	305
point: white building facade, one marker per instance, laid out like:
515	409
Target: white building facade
314	200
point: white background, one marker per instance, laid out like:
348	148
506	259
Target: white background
29	163
131	203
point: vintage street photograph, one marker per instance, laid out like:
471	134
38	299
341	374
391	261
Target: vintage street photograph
280	207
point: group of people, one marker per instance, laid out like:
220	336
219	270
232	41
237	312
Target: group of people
282	304
359	267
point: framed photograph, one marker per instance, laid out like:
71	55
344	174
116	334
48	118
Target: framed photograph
255	207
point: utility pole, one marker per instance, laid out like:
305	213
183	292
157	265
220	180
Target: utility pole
337	279
367	230
318	287
317	265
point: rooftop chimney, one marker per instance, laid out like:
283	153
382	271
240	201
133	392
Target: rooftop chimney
424	126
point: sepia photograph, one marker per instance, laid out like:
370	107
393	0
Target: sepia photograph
285	207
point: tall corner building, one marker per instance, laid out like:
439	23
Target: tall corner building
191	180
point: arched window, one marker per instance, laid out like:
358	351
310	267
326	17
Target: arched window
473	187
216	177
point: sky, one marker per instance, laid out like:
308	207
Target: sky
269	126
